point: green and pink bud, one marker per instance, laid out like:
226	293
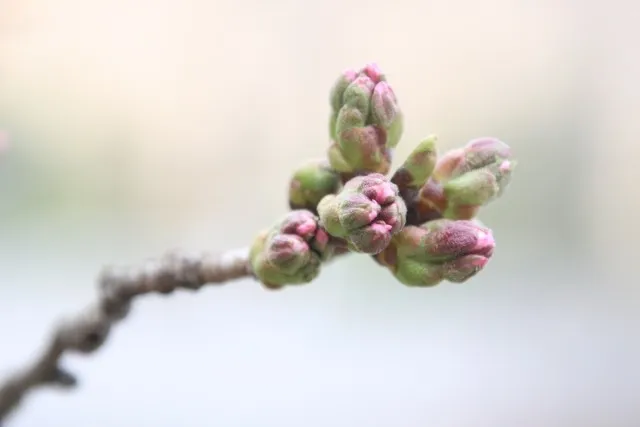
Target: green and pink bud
366	122
443	249
291	252
310	183
465	179
366	213
477	154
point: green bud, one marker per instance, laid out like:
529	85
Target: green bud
443	249
337	160
349	118
358	95
476	187
336	98
418	166
463	268
310	183
395	130
361	146
291	251
366	213
341	84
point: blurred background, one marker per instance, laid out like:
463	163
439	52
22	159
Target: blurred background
134	126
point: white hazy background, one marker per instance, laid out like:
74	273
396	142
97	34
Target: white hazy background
136	126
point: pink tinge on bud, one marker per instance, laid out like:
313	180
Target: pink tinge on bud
373	72
381	226
479	262
384	105
373	214
392	215
322	238
464	268
350	74
306	229
376	237
366	213
447	164
488	144
286	247
384	194
485	243
391	220
301	223
365	83
384	91
505	166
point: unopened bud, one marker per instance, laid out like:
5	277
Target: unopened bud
366	213
291	251
468	178
443	249
366	122
341	84
310	183
418	166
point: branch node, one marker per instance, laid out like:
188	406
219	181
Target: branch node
63	378
85	333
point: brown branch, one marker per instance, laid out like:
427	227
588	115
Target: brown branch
86	332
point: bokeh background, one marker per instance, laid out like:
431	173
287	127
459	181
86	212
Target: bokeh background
135	126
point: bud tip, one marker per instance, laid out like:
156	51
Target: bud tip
485	243
374	72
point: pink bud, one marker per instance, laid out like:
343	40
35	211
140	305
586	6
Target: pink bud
373	72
